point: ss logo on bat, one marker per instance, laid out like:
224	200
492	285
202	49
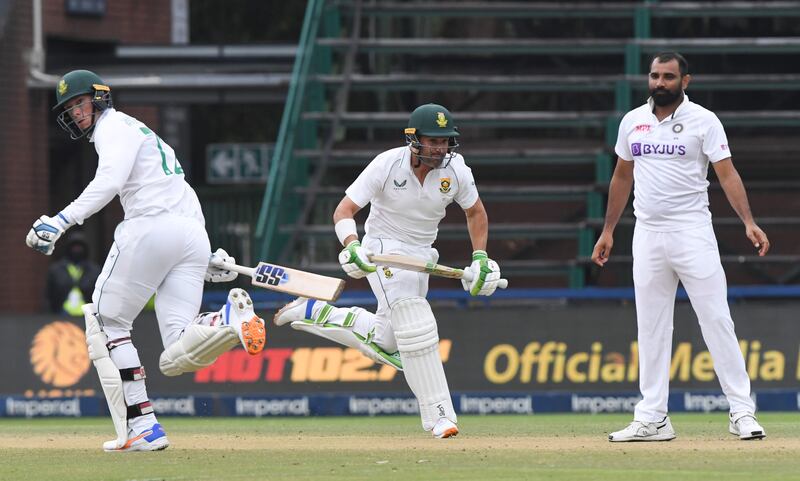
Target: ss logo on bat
271	275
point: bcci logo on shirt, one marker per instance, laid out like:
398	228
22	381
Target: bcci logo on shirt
444	185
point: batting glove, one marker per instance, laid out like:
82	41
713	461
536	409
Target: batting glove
46	231
215	272
485	275
355	260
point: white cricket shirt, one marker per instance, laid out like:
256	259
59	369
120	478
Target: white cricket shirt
401	207
134	163
671	164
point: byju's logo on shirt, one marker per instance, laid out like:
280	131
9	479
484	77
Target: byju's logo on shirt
641	148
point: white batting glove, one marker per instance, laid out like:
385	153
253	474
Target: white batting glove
45	232
215	271
355	260
485	275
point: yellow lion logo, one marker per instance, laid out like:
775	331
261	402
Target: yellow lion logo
444	185
441	120
62	87
59	355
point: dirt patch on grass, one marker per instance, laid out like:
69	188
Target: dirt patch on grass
422	442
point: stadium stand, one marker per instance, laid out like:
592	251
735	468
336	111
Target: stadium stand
538	90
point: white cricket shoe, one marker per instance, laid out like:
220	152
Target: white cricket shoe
297	310
639	431
238	313
444	428
745	426
151	439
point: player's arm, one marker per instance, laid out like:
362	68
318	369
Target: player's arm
477	225
346	211
354	258
117	147
116	158
618	193
734	189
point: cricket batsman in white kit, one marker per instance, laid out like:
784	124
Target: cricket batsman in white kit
161	247
408	188
664	149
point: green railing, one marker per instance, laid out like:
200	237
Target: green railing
277	206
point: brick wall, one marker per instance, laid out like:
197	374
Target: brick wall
23	156
127	21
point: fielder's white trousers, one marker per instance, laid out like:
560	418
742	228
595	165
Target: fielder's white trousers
660	260
166	255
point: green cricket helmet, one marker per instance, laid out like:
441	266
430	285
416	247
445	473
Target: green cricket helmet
432	120
74	84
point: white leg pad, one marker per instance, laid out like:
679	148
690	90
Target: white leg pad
349	338
418	342
107	371
198	347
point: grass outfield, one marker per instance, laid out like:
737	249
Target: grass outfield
553	447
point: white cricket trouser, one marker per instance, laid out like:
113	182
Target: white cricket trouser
660	260
166	255
391	285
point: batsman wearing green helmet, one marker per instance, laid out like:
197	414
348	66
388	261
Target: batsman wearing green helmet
161	246
408	189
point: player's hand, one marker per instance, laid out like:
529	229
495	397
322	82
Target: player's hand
355	260
485	275
602	249
215	272
758	238
45	232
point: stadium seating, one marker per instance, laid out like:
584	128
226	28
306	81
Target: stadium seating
537	90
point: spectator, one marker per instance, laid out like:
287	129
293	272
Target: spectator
71	279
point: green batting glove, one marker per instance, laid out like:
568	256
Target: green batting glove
486	274
355	260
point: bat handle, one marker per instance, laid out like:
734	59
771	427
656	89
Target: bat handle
467	276
248	271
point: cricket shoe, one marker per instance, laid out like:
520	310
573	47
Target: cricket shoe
639	431
152	439
297	310
238	313
444	428
746	426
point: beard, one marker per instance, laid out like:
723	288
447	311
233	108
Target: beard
663	97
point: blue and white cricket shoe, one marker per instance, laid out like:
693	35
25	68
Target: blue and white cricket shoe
151	439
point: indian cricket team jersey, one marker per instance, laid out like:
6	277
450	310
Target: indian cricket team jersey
401	207
670	164
137	165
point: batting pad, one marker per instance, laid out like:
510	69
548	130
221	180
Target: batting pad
107	371
418	342
198	347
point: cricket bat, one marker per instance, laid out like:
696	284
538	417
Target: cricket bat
291	281
410	263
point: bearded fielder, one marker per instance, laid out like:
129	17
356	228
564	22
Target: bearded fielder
408	189
160	248
666	146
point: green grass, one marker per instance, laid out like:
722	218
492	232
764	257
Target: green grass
552	447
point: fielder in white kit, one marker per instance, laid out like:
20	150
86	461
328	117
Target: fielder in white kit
161	247
664	149
408	188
